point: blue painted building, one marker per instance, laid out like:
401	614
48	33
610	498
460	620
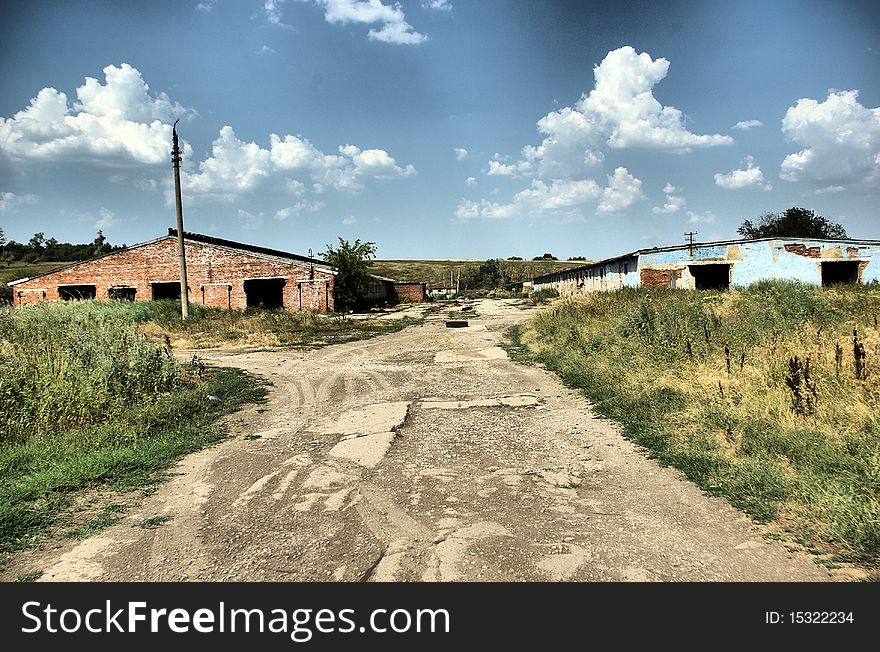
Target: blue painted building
721	265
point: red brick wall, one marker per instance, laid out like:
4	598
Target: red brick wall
208	267
410	291
658	278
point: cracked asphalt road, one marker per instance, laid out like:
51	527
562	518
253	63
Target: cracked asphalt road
424	455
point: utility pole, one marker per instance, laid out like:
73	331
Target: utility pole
181	253
690	236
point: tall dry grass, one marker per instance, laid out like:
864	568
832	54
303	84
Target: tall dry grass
769	396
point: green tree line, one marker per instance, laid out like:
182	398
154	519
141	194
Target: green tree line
42	249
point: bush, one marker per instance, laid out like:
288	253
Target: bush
543	296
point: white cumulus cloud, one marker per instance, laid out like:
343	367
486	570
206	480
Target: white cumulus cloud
460	153
750	177
560	193
674	201
840	140
237	168
439	5
620	112
298	208
272	11
390	21
499	167
745	125
106	218
116	122
622	192
10	202
700	218
483	209
560	198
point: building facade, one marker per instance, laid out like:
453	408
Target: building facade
721	265
220	273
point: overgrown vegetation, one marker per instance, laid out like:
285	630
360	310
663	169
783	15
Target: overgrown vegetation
219	327
768	396
86	401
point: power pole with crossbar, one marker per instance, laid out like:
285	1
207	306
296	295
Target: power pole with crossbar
181	253
690	236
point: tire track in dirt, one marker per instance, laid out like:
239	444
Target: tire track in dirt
494	471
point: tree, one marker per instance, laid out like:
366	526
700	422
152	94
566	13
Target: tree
489	274
352	263
2	237
36	243
101	245
793	223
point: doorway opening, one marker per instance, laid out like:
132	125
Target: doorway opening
265	293
169	290
840	271
710	277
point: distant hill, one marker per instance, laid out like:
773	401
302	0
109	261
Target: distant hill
436	272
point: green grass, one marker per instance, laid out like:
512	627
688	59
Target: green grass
88	402
41	476
154	522
18	269
704	381
109	515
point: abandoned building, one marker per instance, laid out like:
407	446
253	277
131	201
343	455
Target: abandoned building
220	273
386	291
720	265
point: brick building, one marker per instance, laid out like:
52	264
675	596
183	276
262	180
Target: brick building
220	273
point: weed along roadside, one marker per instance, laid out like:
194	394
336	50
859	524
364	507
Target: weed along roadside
769	396
90	406
226	329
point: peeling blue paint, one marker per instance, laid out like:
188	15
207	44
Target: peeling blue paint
794	259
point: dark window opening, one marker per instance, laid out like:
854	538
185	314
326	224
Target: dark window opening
711	277
837	272
169	290
265	293
77	292
122	293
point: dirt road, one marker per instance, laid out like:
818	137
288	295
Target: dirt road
424	455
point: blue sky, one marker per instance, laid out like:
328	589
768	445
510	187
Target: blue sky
438	129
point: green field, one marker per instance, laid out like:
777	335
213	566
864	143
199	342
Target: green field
17	270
